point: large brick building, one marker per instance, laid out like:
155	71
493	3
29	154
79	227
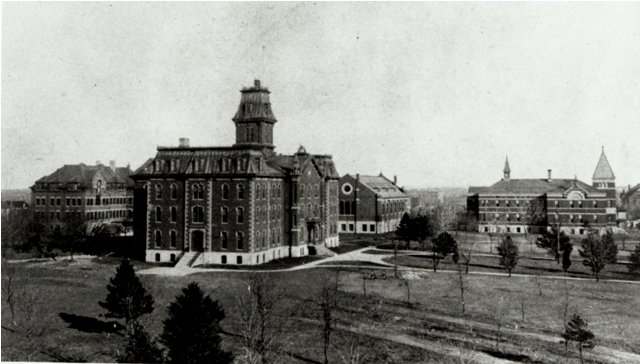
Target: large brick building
371	204
240	204
532	205
96	194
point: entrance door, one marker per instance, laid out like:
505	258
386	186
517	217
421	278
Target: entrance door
197	241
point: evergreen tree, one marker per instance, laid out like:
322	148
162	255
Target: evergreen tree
596	252
566	257
508	252
576	330
140	348
127	297
443	245
404	231
549	242
192	330
634	260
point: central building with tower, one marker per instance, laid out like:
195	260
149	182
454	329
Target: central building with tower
240	204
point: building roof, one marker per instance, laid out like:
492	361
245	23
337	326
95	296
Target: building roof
381	186
627	194
254	104
603	169
533	186
16	195
84	174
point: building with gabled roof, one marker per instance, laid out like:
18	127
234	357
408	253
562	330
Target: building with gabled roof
95	193
532	205
371	204
631	202
242	204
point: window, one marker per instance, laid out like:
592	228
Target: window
223	259
225	191
173	238
158	238
157	257
174	214
172	257
239	241
240	215
158	213
316	190
343	227
225	214
174	191
58	201
240	191
198	214
518	229
224	239
239	259
372	228
595	203
264	191
258	187
158	191
350	227
198	192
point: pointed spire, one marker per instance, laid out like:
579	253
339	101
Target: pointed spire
506	165
603	169
506	170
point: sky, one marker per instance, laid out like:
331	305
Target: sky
435	93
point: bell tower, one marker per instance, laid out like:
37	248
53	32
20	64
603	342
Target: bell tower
254	119
603	177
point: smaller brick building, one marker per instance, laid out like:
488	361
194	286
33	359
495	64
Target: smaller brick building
97	194
371	204
631	202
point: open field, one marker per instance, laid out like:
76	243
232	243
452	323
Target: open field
383	326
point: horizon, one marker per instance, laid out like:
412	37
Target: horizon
435	93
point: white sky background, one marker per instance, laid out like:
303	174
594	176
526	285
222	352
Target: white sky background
437	93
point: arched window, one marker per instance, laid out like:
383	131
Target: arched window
198	213
198	192
341	207
302	191
174	191
225	191
158	213
174	238
264	190
347	208
225	214
258	191
240	215
158	191
174	214
315	210
317	189
158	238
239	241
240	190
258	239
224	238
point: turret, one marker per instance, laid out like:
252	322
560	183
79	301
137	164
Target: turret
254	119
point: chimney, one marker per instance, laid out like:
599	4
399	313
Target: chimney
184	142
112	165
395	180
256	83
549	173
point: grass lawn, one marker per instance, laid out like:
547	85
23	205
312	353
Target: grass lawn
526	265
381	325
282	263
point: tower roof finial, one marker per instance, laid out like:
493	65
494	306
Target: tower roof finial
506	165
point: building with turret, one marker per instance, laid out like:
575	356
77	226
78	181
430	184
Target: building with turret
533	205
242	204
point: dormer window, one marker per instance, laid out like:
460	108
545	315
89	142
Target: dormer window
174	165
199	164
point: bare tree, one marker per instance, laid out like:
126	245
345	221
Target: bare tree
326	301
461	284
30	320
260	327
498	317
